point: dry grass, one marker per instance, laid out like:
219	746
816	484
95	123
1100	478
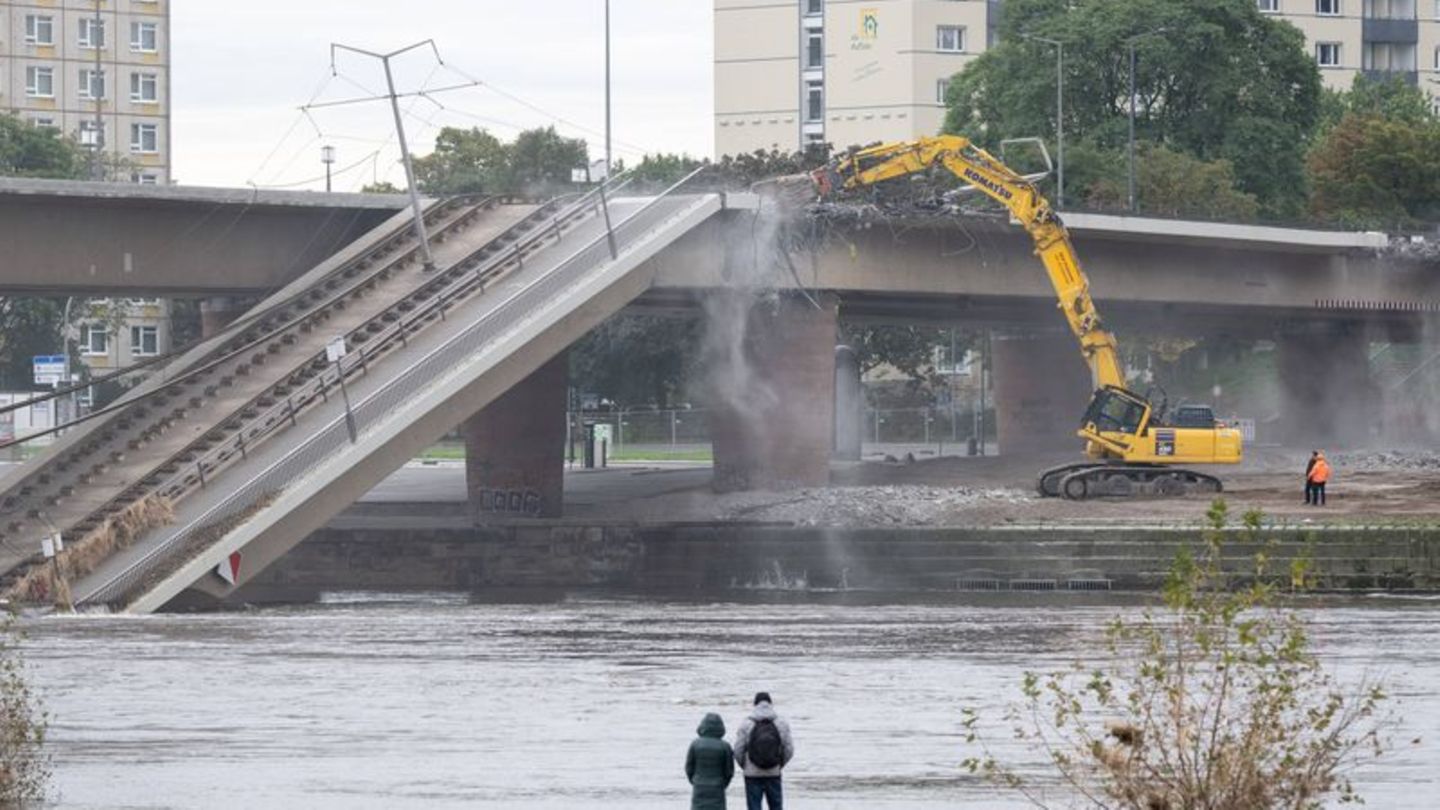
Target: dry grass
83	556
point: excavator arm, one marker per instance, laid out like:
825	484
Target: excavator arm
980	169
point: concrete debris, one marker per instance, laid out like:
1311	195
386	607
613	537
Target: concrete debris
1387	460
869	506
1416	248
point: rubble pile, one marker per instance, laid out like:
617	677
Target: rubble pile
871	506
1415	248
1388	460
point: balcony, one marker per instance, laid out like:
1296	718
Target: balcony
1377	29
1410	77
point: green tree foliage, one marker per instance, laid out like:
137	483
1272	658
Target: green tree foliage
663	169
381	187
24	765
638	360
30	151
1175	184
464	161
1375	166
1223	82
472	161
541	161
1218	701
752	167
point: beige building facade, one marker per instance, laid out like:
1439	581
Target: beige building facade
65	66
794	72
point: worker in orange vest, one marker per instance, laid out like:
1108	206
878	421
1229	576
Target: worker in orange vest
1315	478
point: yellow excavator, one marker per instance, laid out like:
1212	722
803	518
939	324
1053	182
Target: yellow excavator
1134	447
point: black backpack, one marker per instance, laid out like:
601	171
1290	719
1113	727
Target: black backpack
766	749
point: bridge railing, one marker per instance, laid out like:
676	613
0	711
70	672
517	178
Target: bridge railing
374	409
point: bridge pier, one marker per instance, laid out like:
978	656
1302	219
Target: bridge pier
1042	385
514	448
772	371
1327	395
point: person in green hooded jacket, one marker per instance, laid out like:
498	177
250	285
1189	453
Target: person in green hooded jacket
710	765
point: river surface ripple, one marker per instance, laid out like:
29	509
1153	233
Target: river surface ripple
369	701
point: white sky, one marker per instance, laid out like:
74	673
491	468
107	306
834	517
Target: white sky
240	71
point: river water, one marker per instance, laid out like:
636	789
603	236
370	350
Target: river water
374	701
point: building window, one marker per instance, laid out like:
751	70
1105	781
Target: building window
144	87
942	90
1390	9
1328	7
144	341
145	178
94	340
144	138
1327	54
815	50
39	29
92	134
814	8
1388	56
814	101
950	38
144	302
1268	6
92	83
40	82
92	32
43	122
144	37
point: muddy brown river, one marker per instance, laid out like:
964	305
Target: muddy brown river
375	701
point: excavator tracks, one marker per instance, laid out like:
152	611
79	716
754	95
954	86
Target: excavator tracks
1078	482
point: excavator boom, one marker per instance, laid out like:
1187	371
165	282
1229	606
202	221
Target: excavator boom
1131	448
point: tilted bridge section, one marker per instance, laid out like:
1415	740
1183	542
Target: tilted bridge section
224	458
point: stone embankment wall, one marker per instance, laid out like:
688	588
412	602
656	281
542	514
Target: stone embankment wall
715	559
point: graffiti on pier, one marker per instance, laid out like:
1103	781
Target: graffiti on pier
526	502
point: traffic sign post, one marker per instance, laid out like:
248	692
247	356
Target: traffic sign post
51	369
335	351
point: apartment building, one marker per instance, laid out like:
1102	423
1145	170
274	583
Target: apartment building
98	70
794	72
116	333
1375	37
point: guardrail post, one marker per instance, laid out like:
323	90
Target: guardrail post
290	410
200	468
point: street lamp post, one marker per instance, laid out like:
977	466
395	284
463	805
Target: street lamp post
1130	149
1059	113
327	156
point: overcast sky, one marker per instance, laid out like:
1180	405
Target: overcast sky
240	72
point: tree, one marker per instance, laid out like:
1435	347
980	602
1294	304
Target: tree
1217	703
24	765
663	169
541	161
382	187
1370	171
637	360
30	151
1392	99
1222	82
1175	184
464	161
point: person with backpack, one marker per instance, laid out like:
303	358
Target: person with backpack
709	765
763	747
1317	476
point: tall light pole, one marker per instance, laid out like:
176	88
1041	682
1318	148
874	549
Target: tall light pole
607	90
420	231
1059	113
327	156
1130	150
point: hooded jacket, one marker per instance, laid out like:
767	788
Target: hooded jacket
709	765
762	711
